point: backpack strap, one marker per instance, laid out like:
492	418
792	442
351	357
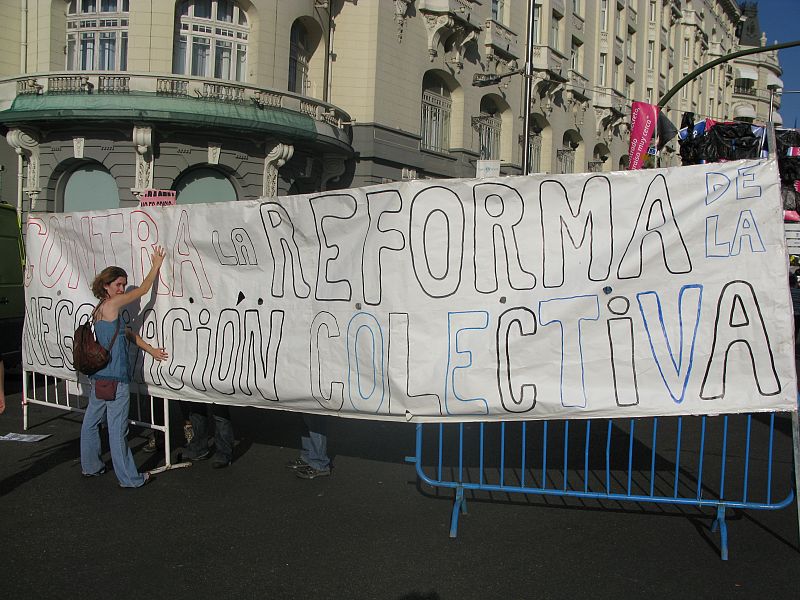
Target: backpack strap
116	331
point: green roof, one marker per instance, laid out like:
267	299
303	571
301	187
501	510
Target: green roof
140	106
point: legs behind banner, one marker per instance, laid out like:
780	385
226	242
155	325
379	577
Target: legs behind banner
459	506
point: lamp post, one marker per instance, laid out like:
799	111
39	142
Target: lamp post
526	121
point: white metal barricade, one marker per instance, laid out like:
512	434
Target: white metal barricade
55	392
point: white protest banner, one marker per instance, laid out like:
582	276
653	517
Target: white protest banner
656	292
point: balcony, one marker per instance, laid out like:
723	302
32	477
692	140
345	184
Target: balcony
632	16
611	99
459	10
500	40
619	49
745	90
552	61
630	67
170	98
578	85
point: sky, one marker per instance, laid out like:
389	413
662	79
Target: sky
780	20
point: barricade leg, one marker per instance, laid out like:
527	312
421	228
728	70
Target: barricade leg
24	400
168	464
796	448
459	506
723	531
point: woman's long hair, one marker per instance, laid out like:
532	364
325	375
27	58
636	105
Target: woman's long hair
104	278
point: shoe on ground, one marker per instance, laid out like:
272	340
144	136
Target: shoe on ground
148	477
309	472
220	462
97	474
195	455
297	463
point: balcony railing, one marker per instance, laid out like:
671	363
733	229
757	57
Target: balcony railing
172	87
500	39
86	83
745	90
113	84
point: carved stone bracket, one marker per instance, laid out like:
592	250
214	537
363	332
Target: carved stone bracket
437	26
464	37
78	144
400	13
143	143
278	154
577	105
26	144
214	151
333	167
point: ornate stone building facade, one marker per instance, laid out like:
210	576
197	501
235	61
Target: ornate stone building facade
234	99
106	98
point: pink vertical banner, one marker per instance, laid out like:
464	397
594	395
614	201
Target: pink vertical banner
644	117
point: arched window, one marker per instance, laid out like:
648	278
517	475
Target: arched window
299	56
97	35
211	40
204	185
488	125
436	108
90	187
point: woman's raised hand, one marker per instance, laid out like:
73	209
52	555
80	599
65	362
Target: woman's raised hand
157	257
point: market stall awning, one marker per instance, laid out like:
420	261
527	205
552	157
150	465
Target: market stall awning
743	72
745	111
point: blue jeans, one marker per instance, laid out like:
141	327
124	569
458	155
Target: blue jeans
314	442
115	412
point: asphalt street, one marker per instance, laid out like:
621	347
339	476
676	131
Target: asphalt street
370	530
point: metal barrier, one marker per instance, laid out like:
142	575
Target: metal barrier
47	390
729	461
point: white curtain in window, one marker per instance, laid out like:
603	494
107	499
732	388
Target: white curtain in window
87	52
108	48
225	11
123	51
202	9
222	60
201	51
241	62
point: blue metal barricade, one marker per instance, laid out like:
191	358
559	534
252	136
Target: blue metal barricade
728	461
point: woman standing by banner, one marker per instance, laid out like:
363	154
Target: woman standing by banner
109	396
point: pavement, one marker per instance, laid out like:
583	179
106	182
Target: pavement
254	530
